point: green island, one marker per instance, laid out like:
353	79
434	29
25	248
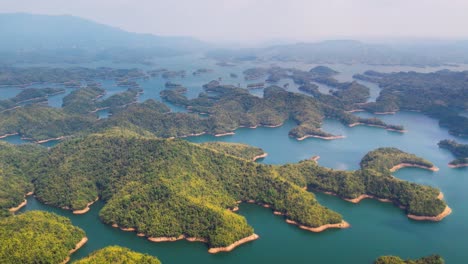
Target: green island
24	76
143	181
460	151
227	107
440	94
235	149
434	259
28	96
117	255
38	237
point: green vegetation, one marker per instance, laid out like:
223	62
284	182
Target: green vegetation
37	237
168	188
230	107
30	95
15	180
118	255
235	149
434	259
12	76
374	179
460	151
438	94
36	122
384	159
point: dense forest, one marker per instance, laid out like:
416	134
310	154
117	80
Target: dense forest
143	181
434	259
37	237
235	149
117	255
373	179
144	184
440	94
71	77
15	180
227	107
460	151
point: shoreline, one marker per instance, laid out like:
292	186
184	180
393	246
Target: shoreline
50	139
233	245
77	246
321	228
355	110
326	138
384	113
86	209
371	125
21	205
412	165
458	165
264	155
315	158
447	211
9	135
225	134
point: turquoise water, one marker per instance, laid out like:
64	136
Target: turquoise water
377	228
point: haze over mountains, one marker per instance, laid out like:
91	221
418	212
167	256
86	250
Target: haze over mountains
43	38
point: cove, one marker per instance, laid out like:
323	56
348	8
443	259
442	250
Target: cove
376	228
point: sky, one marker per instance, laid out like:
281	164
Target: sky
254	21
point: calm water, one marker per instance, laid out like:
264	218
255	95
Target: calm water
377	228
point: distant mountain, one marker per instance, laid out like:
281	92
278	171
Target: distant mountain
39	37
350	51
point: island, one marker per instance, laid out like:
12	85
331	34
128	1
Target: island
460	151
34	234
117	255
434	259
440	94
144	188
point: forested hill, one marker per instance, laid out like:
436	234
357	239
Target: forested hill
38	237
144	182
460	151
442	94
118	255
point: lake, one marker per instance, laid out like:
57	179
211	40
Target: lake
376	228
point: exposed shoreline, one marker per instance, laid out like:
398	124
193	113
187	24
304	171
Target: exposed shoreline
233	245
50	139
77	246
21	205
458	165
321	228
264	155
447	211
371	125
315	158
436	218
225	134
384	113
86	209
412	165
9	135
315	136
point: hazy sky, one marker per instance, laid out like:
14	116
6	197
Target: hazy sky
262	20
